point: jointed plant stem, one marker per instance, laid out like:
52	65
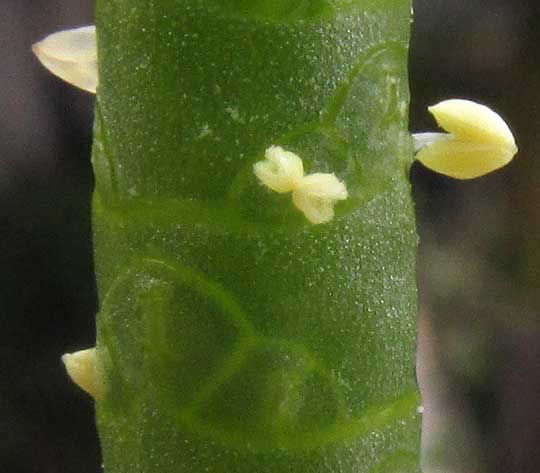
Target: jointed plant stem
236	332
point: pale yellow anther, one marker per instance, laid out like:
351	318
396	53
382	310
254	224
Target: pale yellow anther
281	171
72	56
82	369
317	194
478	140
314	195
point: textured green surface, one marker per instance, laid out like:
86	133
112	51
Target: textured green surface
234	335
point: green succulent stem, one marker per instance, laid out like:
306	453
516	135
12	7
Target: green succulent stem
233	334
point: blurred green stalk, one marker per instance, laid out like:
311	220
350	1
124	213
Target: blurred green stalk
234	335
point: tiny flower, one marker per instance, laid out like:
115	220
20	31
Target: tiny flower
81	367
479	141
72	56
315	194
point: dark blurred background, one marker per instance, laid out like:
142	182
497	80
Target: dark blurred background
479	258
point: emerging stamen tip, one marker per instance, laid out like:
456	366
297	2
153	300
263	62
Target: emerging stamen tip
478	140
281	170
72	56
81	367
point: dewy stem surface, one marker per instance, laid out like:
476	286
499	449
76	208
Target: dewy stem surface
234	335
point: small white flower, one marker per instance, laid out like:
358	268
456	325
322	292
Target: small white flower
72	56
315	194
81	367
479	140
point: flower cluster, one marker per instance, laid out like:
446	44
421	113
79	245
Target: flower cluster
478	139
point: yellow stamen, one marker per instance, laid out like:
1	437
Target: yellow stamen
314	195
72	56
81	367
479	140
